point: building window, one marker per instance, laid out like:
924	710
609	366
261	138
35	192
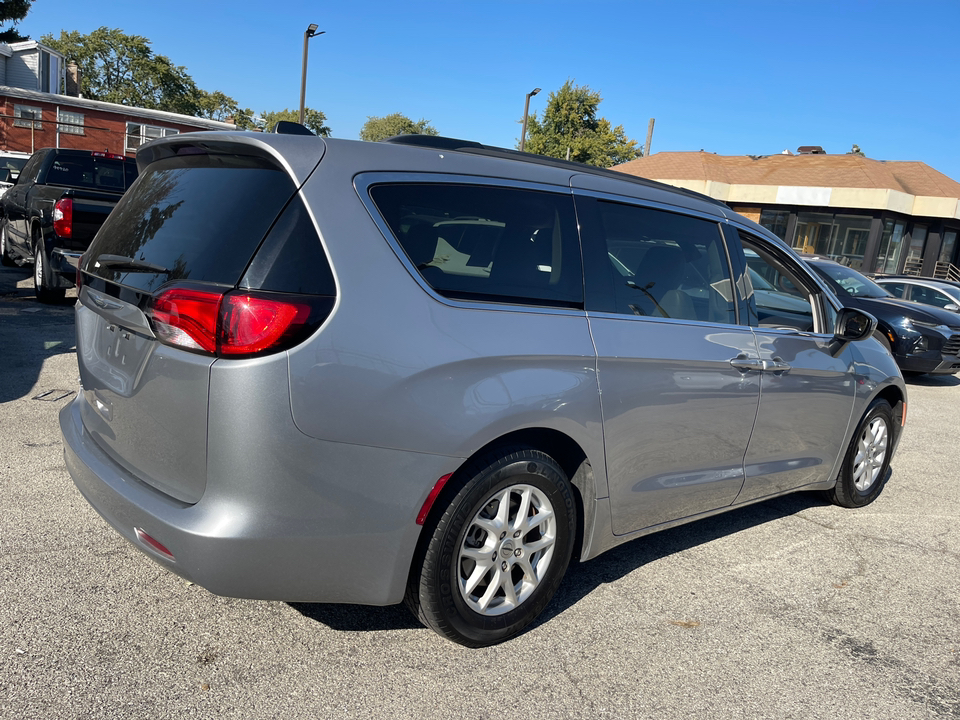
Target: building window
914	261
776	222
891	243
946	249
70	122
26	116
44	71
138	134
839	237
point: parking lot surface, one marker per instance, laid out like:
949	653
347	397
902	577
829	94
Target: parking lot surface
791	608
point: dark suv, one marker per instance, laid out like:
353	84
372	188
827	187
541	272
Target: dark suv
922	338
336	371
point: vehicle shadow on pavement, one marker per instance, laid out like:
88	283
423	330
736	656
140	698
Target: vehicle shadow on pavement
582	579
30	333
358	618
933	380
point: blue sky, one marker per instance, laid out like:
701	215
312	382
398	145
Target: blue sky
727	77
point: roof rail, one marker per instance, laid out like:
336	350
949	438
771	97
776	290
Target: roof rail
437	142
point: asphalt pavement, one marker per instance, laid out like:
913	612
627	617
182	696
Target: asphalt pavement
791	608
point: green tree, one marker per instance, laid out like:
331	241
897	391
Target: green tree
12	12
217	106
120	68
381	128
313	119
570	124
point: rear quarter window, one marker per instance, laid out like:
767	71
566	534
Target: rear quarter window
487	243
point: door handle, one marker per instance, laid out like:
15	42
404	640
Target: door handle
777	366
745	364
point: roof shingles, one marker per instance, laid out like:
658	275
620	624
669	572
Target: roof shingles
848	171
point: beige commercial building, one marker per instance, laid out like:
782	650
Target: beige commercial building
874	215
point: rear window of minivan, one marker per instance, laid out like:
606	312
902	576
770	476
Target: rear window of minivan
200	217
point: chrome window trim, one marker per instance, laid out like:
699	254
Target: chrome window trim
603	315
362	182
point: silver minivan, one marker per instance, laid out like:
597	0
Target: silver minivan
429	371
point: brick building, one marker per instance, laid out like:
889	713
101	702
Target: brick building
874	215
40	107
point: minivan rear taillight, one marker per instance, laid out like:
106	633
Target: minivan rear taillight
237	323
63	217
251	324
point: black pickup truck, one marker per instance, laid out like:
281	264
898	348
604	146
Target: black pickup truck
54	209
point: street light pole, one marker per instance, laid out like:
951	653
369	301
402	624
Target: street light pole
526	109
310	32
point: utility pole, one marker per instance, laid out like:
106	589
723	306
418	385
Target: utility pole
526	109
310	32
646	148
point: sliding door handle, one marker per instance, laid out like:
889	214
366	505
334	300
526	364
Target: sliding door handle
747	364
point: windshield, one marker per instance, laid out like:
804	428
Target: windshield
952	291
847	281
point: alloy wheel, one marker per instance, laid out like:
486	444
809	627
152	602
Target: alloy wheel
507	550
871	452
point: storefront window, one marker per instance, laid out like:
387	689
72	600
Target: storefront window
850	242
815	232
776	222
946	249
918	238
891	244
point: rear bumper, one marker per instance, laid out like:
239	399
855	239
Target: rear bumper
327	536
64	263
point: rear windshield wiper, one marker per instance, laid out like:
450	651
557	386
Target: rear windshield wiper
121	262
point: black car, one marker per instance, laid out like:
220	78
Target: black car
922	338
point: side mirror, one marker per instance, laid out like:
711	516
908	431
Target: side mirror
854	325
952	307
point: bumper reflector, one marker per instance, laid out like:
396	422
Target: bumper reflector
432	498
154	545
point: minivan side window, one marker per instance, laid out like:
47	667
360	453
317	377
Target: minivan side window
476	242
659	263
775	294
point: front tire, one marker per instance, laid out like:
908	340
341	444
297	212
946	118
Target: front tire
497	554
43	285
867	460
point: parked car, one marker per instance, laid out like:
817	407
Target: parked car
923	290
922	338
53	210
430	371
11	163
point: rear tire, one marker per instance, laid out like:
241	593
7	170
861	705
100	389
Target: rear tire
867	461
43	281
496	555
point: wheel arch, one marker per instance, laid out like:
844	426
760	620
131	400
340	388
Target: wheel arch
898	401
566	451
